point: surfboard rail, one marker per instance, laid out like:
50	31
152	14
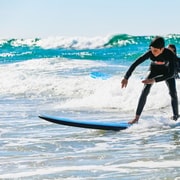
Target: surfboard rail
115	126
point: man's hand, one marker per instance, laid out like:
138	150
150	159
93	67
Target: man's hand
124	83
148	81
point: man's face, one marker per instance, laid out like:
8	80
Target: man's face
156	51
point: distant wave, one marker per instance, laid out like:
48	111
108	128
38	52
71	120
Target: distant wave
94	48
83	42
125	39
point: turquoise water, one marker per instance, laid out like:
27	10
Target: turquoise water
53	76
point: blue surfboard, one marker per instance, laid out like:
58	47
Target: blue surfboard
114	126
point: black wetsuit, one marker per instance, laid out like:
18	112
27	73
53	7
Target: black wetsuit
162	68
177	67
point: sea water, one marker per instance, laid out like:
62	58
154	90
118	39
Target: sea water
53	76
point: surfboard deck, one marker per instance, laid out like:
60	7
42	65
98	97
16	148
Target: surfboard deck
114	126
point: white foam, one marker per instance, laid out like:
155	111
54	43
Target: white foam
77	42
122	168
71	81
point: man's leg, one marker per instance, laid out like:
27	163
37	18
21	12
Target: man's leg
171	83
141	103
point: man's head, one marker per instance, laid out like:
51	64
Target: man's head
157	42
157	45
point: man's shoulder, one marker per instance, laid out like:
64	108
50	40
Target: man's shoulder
168	54
168	51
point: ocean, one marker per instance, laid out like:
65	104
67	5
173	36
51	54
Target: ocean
54	76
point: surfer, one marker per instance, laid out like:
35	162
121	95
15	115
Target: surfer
162	68
172	47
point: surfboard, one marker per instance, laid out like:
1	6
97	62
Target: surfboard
114	126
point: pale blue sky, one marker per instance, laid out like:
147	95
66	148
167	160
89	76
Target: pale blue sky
44	18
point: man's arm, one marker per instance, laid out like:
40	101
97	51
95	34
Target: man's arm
136	63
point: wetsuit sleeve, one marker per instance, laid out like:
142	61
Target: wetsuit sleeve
171	71
140	60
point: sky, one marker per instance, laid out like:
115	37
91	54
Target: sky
48	18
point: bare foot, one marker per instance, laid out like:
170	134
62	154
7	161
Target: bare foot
135	120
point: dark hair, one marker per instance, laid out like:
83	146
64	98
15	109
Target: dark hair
173	47
158	42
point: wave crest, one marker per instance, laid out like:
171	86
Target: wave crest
83	42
